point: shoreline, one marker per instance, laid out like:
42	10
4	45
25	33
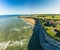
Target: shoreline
29	21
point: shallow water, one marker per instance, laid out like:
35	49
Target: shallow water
14	29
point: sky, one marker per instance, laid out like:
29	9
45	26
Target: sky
9	7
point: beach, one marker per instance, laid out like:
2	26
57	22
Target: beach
29	20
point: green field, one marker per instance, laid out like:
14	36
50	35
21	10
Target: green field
52	25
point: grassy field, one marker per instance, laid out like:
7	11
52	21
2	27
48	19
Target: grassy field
50	27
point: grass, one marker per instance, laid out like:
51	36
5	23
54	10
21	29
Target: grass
58	29
51	18
50	29
51	33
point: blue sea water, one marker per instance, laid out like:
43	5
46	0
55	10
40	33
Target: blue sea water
12	21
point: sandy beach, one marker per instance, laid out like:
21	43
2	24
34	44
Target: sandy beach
30	20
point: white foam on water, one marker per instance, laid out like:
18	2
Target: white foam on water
17	43
15	29
4	45
26	27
